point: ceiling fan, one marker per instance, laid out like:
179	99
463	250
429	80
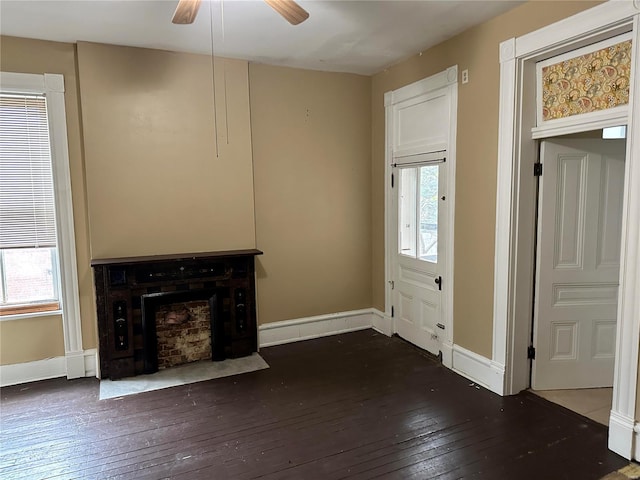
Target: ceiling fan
293	13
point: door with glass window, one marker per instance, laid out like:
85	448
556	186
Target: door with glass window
420	125
418	283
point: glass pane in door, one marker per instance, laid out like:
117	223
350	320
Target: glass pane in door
428	205
407	214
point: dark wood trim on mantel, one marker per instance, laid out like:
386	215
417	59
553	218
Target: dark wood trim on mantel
176	256
127	339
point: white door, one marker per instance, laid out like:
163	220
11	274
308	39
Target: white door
578	263
420	254
421	123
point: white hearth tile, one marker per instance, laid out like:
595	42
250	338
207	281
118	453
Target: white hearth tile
181	375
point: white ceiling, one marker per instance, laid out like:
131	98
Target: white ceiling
343	36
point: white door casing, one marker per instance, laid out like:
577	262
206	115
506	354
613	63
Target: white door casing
420	169
515	199
578	263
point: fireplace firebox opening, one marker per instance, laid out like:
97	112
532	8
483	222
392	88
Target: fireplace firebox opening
154	302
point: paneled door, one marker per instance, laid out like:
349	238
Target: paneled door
420	254
422	120
578	263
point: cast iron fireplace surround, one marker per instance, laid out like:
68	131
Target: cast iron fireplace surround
128	290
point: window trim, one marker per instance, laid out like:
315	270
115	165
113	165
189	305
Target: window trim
52	87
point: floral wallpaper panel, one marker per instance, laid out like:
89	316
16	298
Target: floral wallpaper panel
596	81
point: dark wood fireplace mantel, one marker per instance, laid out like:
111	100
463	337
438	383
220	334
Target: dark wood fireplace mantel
121	283
179	256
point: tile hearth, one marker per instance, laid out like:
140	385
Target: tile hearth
181	375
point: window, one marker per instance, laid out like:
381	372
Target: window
28	251
418	210
614	132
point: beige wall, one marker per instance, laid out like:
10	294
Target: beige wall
31	339
312	162
26	340
155	185
154	182
477	141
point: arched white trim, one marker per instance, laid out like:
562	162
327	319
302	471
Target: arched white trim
52	87
515	204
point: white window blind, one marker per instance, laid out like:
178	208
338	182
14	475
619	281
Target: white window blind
27	212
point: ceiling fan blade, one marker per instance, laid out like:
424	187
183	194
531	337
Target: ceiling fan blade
290	10
186	12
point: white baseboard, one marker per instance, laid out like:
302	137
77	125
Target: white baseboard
278	333
32	371
621	435
48	368
75	367
465	362
636	442
478	369
381	322
91	363
447	354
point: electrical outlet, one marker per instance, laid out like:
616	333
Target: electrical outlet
465	76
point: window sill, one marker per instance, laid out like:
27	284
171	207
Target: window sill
21	316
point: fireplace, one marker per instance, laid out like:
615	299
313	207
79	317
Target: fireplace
168	318
140	299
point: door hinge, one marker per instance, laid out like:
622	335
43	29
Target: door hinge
537	169
392	284
392	177
391	311
531	352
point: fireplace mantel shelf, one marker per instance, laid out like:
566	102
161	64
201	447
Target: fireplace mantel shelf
177	256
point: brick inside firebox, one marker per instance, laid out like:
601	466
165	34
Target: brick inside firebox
180	343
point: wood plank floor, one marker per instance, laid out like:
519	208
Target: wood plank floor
356	406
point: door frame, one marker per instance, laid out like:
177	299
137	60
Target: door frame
517	151
449	79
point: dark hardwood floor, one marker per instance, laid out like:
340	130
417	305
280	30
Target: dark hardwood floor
357	406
